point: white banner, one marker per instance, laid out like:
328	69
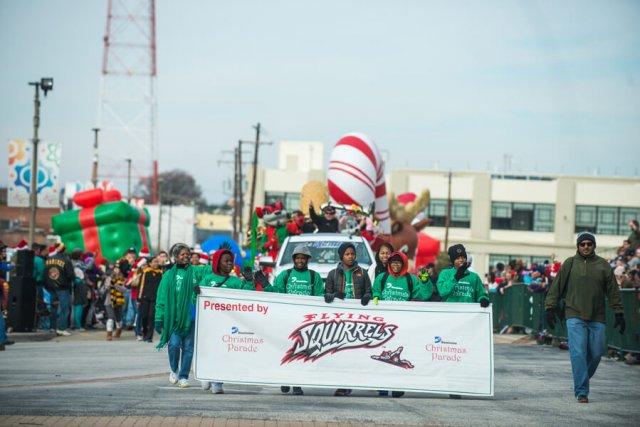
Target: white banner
275	339
19	186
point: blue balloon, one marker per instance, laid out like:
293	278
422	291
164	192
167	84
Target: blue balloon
214	242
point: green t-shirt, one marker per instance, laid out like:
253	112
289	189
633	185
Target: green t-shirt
298	283
231	282
468	289
397	288
348	284
180	274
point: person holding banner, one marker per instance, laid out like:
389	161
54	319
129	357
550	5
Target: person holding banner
175	312
222	263
299	280
457	283
347	280
382	260
397	284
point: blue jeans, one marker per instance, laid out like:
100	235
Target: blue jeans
130	310
586	345
3	331
64	309
184	344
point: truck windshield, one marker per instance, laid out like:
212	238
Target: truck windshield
325	252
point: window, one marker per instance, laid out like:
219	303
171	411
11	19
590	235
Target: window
605	219
460	213
290	201
522	216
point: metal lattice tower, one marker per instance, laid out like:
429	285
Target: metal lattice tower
127	106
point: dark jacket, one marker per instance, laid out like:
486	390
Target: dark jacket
588	281
149	284
634	239
324	225
58	273
335	282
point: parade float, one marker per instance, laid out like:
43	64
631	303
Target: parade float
356	188
104	225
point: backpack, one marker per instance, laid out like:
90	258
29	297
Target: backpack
312	275
409	282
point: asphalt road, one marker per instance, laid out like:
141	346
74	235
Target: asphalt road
87	376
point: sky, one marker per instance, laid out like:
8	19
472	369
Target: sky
450	84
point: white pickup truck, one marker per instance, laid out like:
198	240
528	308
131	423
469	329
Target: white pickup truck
324	251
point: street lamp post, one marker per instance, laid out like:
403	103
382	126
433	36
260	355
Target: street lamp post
46	84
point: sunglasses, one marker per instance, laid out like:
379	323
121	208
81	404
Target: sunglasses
586	244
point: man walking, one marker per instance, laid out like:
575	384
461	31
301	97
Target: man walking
583	282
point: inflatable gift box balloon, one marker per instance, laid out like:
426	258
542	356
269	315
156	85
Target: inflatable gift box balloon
104	225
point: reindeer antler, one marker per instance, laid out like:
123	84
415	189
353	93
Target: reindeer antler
406	213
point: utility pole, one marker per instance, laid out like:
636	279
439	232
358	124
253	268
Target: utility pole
447	222
128	180
240	194
254	174
237	187
94	171
254	168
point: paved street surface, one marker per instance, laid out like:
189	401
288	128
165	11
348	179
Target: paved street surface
125	383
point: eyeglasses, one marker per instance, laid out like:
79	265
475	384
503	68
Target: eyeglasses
586	244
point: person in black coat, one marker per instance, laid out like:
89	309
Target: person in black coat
328	222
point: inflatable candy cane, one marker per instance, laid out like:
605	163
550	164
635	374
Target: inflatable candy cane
356	176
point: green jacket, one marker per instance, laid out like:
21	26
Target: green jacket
397	288
232	282
298	283
588	281
634	239
175	300
468	289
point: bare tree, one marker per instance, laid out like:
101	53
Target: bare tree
177	187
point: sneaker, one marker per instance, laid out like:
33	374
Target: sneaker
183	383
205	385
285	388
81	330
217	388
298	391
583	399
397	393
63	333
139	338
173	378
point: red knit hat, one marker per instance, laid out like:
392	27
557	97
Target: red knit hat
204	259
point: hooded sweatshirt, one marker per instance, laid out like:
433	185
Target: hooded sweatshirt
216	279
468	289
298	283
396	286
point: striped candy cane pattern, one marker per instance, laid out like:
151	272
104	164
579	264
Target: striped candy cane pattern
356	176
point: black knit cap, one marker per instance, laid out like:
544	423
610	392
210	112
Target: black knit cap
585	235
343	248
455	251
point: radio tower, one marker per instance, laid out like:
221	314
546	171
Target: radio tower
127	109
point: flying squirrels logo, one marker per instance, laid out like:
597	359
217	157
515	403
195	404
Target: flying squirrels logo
318	338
